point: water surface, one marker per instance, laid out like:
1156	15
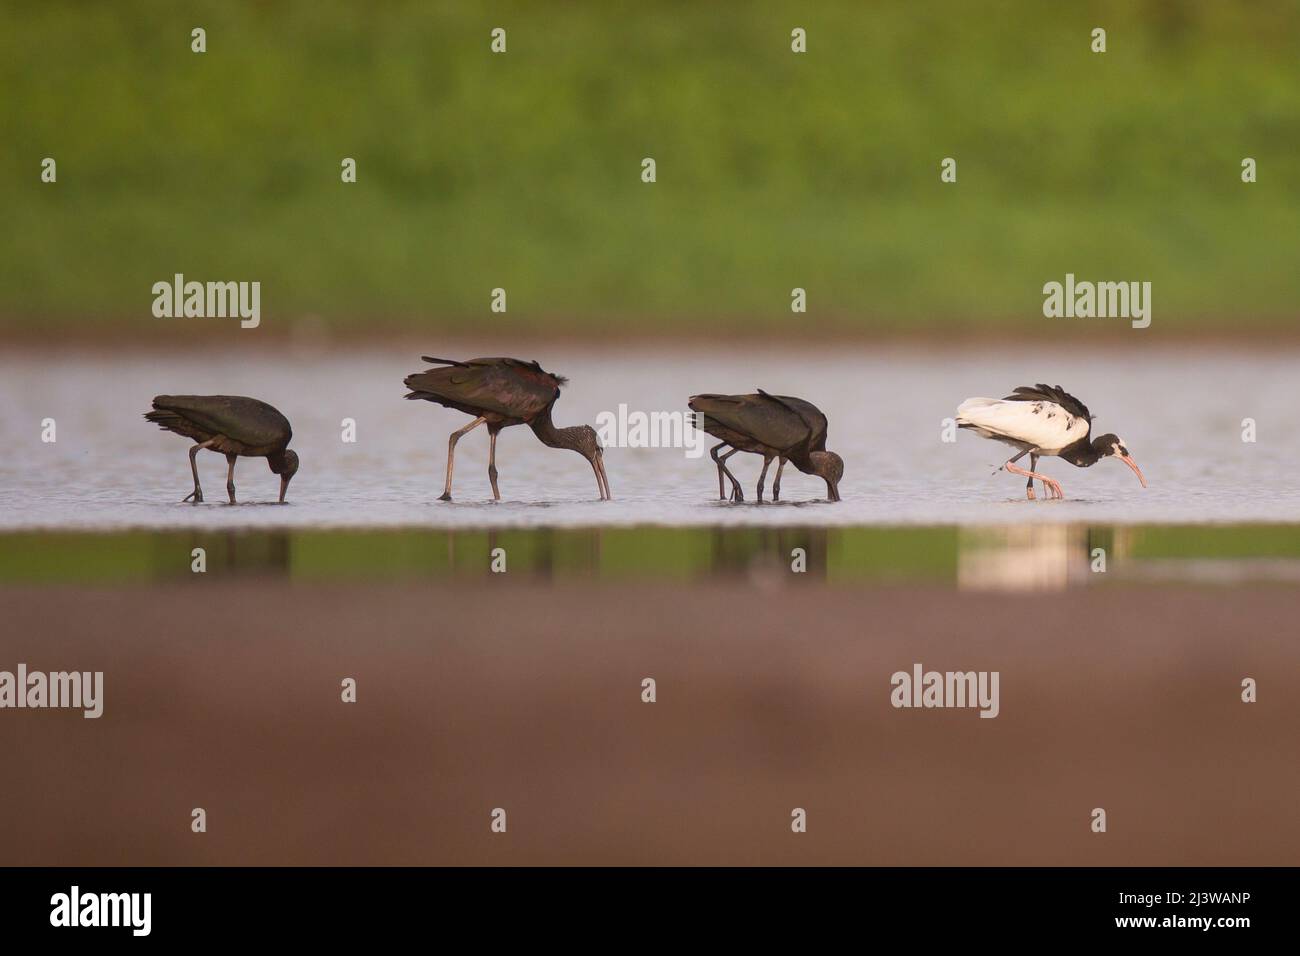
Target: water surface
1180	411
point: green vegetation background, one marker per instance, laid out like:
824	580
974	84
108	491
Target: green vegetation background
775	170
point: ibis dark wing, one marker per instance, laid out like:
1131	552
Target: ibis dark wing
762	417
246	420
810	414
506	386
1049	393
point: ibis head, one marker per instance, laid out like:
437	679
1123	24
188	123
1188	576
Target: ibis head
1111	445
830	467
584	440
285	465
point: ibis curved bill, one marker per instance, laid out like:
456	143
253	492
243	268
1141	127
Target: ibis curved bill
1128	460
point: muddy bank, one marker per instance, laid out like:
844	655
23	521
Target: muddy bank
226	695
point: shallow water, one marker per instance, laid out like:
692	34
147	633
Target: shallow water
1180	412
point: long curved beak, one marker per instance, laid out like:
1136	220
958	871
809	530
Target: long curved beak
284	486
602	479
1134	465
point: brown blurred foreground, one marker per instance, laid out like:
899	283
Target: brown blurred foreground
226	695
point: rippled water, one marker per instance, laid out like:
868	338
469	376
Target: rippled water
1180	411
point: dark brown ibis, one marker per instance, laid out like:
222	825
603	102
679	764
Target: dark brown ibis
501	392
1043	421
233	425
774	426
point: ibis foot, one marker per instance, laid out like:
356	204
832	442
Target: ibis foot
196	496
445	496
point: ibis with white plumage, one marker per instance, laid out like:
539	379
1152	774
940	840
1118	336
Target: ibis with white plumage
1043	421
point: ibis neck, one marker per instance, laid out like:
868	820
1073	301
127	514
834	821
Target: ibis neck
1081	454
551	436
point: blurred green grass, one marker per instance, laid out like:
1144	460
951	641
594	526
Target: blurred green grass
775	170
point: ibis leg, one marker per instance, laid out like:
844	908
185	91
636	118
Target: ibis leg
736	493
1029	487
451	453
713	453
762	476
1053	488
776	482
492	463
230	477
197	493
1013	460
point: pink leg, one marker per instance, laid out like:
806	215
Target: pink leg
1053	488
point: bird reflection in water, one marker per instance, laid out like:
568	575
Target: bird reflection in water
1029	558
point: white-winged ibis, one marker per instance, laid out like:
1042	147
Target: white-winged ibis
232	425
774	426
1043	421
501	392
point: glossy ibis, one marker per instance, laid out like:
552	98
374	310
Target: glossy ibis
501	392
232	425
774	426
1042	421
